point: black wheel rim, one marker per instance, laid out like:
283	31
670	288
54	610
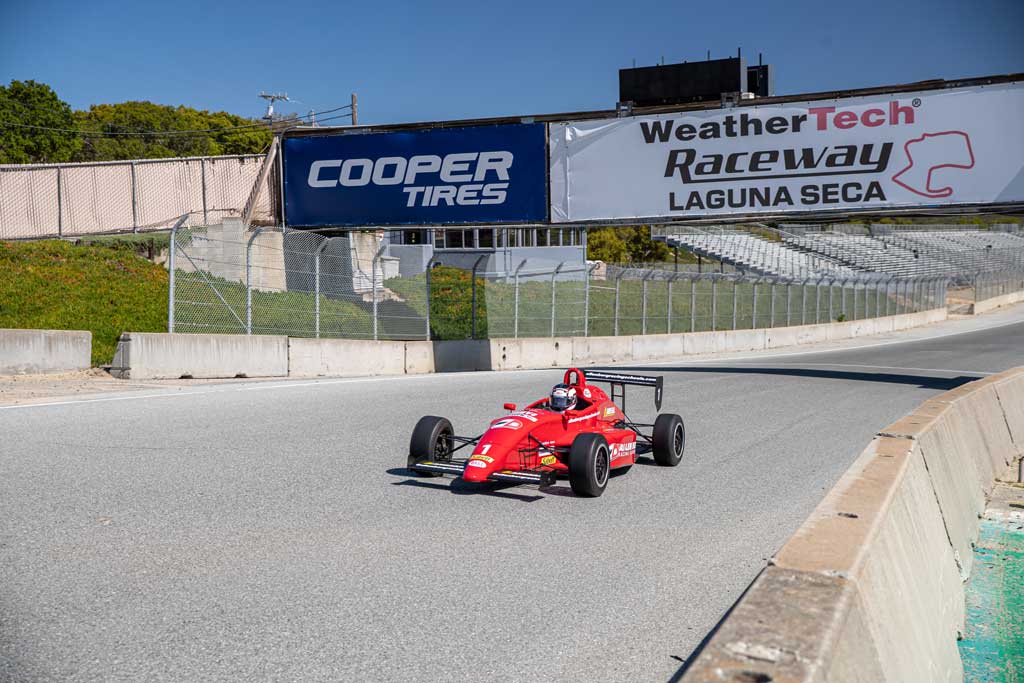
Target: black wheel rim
677	440
601	466
443	447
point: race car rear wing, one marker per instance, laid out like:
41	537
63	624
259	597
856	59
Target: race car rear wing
619	382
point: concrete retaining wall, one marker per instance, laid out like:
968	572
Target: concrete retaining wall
199	355
870	588
29	352
980	307
151	355
352	357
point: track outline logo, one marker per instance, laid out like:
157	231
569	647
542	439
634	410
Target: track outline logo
928	190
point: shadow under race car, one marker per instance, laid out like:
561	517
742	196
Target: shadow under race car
537	444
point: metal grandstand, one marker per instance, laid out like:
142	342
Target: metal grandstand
855	250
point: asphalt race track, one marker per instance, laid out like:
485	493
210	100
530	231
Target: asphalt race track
268	530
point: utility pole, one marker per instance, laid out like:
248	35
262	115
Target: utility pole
355	116
271	98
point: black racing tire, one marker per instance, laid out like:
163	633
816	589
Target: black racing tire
668	439
589	465
431	440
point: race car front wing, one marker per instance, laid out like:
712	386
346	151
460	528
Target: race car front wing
456	467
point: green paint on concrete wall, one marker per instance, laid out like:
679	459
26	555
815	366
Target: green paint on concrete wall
993	646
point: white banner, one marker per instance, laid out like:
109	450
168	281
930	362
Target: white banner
944	147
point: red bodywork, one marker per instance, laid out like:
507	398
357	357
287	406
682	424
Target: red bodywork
537	439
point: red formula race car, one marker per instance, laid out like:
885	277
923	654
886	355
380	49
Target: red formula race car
578	431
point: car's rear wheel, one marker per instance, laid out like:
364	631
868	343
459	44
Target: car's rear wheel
431	442
668	440
589	465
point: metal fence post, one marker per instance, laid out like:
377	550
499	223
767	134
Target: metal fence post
771	305
170	283
878	300
693	304
248	281
817	300
618	279
316	286
842	303
643	304
735	298
668	319
554	275
788	306
135	208
831	295
803	303
202	175
60	208
476	264
586	299
714	304
515	304
753	314
373	288
426	279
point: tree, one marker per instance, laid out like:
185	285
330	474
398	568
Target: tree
144	130
34	125
628	244
642	248
605	244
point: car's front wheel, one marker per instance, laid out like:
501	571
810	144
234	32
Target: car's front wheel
589	465
431	442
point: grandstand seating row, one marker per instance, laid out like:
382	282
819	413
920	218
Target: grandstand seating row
901	253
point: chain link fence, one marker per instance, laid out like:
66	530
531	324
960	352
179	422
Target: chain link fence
991	285
228	279
65	200
631	301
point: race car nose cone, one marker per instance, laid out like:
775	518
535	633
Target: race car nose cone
477	469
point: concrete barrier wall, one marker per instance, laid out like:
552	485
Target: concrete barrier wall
29	352
980	307
151	355
352	357
870	588
199	355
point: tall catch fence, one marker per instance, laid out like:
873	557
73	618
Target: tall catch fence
267	281
264	281
64	200
991	285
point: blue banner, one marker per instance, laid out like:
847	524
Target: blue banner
480	174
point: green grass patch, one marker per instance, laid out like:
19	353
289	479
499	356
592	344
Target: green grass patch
57	285
209	305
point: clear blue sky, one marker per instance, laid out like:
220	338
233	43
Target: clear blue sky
413	61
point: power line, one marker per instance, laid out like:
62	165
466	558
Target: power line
160	133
